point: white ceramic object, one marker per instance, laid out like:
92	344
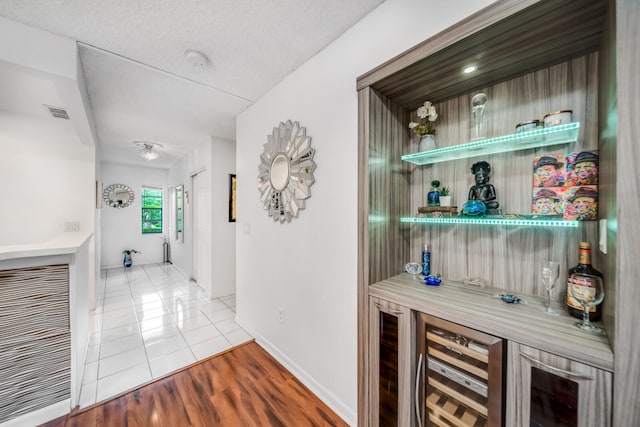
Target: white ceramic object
427	142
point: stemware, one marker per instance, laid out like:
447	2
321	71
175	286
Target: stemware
550	274
588	290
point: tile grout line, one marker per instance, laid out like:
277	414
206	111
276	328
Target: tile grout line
144	347
174	320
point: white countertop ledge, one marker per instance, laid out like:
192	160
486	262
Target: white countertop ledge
66	243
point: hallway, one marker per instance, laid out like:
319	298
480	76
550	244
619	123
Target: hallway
150	321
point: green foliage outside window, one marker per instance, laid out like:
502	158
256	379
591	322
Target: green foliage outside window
151	210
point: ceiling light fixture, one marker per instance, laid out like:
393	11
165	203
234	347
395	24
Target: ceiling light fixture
146	150
196	58
470	69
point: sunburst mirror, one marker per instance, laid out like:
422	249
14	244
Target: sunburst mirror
286	171
118	196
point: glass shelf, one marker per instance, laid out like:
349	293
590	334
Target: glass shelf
561	134
522	222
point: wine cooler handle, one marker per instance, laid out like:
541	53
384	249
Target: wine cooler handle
553	368
417	393
394	312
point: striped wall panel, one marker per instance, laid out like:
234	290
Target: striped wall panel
35	339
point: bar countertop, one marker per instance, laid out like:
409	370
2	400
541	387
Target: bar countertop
66	243
481	309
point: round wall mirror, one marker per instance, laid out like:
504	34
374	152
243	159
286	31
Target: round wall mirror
118	196
286	171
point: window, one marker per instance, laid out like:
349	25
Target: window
151	210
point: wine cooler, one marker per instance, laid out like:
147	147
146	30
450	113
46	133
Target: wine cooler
459	381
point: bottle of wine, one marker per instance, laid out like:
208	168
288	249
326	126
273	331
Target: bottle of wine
584	267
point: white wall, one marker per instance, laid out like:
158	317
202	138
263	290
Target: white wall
223	255
46	178
46	164
308	267
214	162
121	228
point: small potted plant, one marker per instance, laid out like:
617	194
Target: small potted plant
445	196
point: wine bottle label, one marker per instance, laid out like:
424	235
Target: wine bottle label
580	291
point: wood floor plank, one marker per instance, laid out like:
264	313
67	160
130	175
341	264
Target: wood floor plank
242	387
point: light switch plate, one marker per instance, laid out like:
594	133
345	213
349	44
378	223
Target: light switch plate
602	244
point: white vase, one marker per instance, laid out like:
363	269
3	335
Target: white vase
445	200
427	142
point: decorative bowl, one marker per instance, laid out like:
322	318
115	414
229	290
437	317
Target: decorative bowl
474	207
413	268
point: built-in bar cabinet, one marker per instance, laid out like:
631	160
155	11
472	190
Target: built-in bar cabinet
533	57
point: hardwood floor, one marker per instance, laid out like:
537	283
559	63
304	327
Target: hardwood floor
242	387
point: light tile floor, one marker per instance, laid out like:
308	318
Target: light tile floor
150	321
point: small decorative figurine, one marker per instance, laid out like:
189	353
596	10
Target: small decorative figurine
433	198
483	191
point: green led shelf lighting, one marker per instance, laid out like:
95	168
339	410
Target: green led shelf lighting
522	222
561	134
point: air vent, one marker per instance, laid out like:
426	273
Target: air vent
57	112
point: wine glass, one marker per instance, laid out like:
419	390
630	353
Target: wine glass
550	274
588	290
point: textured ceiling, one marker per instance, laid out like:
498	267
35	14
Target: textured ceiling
142	87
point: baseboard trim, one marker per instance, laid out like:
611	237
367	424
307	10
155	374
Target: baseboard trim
40	416
330	399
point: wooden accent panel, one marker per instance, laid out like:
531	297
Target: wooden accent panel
363	256
244	386
465	28
496	254
479	308
35	339
527	41
627	345
388	189
594	396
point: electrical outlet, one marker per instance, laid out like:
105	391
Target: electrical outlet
68	226
281	315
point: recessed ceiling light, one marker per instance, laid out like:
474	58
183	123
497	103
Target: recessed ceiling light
196	58
470	69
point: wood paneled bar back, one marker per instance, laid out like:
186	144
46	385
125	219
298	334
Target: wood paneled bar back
533	57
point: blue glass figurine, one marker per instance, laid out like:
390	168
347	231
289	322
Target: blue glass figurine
433	197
